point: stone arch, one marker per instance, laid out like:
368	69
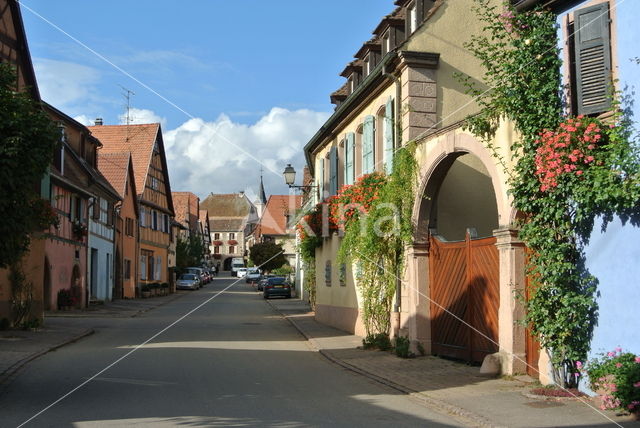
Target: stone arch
439	159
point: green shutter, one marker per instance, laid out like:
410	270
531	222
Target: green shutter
45	185
368	139
333	171
593	59
349	152
388	136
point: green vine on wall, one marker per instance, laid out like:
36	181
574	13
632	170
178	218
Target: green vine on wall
566	172
375	239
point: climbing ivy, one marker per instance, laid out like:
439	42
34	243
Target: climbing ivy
566	171
376	234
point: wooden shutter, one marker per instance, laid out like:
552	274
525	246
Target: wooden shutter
593	59
349	157
368	139
388	136
96	208
321	178
333	171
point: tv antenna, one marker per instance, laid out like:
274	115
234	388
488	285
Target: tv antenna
127	96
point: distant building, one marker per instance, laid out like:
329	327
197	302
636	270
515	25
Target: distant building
273	225
118	169
146	146
231	220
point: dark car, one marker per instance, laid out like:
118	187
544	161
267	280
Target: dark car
277	286
262	281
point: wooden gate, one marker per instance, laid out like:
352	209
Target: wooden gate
464	286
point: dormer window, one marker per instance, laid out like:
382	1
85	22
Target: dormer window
386	43
412	16
366	68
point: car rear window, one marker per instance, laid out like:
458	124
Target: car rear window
188	276
277	280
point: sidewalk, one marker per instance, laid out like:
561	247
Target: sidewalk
18	347
445	385
125	308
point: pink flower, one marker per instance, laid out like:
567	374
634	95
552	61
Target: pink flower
618	365
578	172
579	364
618	349
638	360
636	385
611	354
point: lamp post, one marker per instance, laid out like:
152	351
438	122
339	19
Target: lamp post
290	177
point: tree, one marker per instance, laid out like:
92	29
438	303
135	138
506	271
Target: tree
27	140
268	255
189	252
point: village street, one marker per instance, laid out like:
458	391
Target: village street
233	362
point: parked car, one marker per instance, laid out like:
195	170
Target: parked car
198	271
277	286
263	279
241	272
188	281
253	275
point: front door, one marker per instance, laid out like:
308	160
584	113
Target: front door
464	292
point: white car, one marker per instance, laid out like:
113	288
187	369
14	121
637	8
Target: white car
253	275
241	272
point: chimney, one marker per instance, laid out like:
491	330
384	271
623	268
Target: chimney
98	121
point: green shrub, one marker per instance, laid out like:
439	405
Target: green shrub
379	341
403	347
616	375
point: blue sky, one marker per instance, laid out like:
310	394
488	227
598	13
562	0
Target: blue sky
254	76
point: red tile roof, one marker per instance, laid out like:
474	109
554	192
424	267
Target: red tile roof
274	220
115	167
137	139
186	207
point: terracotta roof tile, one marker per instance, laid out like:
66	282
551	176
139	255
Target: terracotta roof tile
115	167
137	139
274	220
185	205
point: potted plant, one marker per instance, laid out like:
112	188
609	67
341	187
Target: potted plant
615	377
232	242
79	230
145	290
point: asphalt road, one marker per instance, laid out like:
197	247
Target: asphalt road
232	362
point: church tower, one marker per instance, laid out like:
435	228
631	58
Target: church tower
261	202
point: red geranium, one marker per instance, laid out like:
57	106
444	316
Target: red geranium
566	153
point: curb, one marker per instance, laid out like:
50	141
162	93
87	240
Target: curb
12	370
463	415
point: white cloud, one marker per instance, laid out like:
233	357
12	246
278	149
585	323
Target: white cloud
225	156
85	120
66	85
139	116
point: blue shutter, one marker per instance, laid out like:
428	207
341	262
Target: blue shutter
388	136
321	179
368	138
333	171
349	152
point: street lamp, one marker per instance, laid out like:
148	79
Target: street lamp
290	177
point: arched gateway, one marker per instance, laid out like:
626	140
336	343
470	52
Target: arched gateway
466	262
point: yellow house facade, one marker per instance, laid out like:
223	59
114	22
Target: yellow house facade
465	266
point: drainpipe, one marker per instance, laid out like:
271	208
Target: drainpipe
398	143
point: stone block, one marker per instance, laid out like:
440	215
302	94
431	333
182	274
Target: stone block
427	75
491	365
421	89
419	119
426	105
